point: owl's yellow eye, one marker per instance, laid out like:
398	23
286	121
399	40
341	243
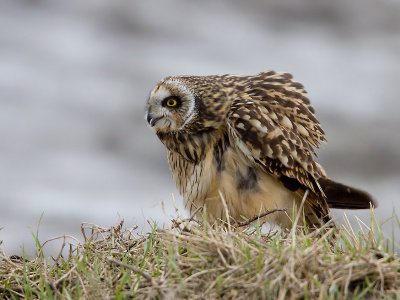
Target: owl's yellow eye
172	102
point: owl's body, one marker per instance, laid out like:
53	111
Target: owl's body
249	140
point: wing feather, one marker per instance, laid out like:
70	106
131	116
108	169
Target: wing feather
274	125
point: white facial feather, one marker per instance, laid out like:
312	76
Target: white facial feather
160	94
185	91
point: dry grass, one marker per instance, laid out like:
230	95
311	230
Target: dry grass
195	261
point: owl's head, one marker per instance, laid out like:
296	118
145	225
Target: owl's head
189	103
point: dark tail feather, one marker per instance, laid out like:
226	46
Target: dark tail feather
345	197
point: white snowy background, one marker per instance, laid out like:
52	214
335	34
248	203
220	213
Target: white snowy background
75	76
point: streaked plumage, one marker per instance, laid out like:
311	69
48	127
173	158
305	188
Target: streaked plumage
251	139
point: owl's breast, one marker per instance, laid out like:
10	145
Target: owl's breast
194	180
224	171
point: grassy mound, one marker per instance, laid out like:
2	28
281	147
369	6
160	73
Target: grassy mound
196	261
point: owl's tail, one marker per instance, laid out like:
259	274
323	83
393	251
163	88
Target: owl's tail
345	197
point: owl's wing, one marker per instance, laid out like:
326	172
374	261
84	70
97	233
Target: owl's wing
274	125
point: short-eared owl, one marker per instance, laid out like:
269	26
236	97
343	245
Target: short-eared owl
249	140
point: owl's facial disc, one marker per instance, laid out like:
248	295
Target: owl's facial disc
170	106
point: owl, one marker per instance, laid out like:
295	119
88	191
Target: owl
246	145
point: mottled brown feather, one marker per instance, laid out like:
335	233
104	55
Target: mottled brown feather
251	139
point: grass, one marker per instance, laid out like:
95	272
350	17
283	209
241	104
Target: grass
194	260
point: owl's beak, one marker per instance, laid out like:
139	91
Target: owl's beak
153	120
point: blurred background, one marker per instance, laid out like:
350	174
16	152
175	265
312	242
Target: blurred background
75	76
